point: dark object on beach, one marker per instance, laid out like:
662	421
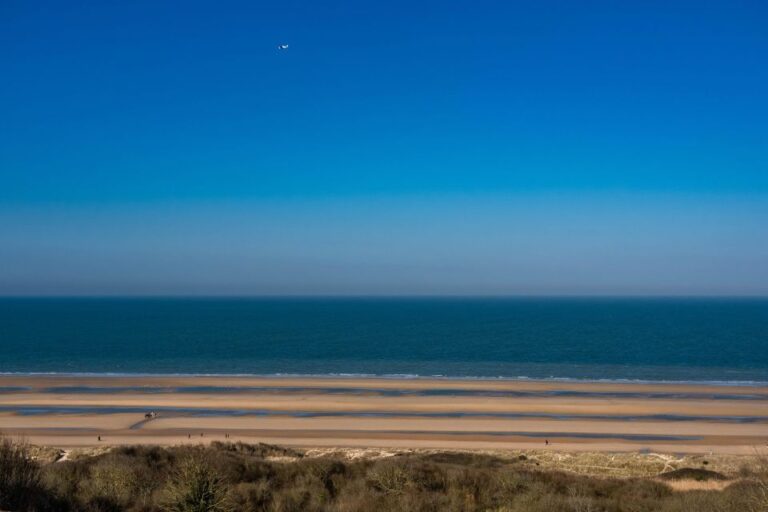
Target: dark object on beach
700	475
546	442
99	437
150	415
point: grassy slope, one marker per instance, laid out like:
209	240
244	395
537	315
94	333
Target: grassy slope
240	477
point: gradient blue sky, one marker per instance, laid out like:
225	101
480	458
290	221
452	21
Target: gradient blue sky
453	147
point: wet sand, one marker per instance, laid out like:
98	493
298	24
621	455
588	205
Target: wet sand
387	413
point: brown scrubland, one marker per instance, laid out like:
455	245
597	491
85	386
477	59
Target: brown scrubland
242	477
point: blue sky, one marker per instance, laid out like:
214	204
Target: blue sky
438	148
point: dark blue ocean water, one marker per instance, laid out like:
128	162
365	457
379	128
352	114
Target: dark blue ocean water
645	339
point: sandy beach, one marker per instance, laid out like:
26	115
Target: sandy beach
75	411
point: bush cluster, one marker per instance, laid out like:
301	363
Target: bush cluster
226	477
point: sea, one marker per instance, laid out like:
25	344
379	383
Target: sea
593	339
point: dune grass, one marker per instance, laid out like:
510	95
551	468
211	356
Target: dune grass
235	477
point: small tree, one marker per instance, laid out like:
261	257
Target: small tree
195	487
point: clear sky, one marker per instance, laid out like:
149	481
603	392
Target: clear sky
452	147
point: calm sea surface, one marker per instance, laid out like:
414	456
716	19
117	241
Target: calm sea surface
646	339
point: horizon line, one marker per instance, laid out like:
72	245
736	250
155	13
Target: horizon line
385	296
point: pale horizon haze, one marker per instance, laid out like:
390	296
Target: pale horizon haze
441	149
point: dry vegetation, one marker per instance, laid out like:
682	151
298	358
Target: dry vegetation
238	477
